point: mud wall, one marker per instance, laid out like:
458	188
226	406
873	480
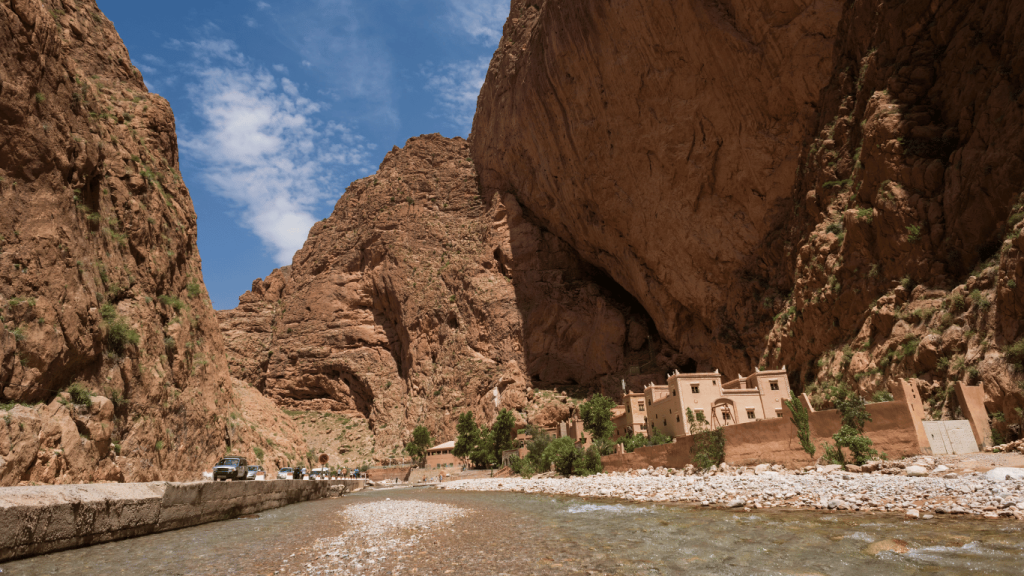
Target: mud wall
775	441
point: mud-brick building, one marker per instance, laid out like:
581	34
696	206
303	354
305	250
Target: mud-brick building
755	397
630	417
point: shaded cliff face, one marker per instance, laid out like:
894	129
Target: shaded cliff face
100	276
906	215
660	141
412	303
840	181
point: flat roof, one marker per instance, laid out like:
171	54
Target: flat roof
445	446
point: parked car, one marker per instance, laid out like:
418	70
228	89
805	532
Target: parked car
231	468
319	473
256	473
285	474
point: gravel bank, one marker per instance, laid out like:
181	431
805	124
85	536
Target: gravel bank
917	490
379	536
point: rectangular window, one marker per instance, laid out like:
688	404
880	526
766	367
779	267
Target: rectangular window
725	415
778	413
695	389
774	384
673	391
750	415
641	406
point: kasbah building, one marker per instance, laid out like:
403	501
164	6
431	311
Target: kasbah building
663	408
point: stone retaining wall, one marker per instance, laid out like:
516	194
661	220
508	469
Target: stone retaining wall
41	519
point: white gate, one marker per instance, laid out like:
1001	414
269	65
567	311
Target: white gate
950	436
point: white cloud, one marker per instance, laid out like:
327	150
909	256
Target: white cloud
146	69
153	59
307	63
251	22
457	87
208	50
262	147
280	68
481	19
263	6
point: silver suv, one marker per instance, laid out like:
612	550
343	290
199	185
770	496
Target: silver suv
231	468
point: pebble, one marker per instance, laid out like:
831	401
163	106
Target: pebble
814	488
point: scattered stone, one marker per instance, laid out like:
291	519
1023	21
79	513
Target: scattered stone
913	513
888	545
917	471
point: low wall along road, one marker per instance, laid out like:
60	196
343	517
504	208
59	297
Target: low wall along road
42	519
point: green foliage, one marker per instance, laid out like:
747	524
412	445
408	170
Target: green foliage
882	396
502	433
19	300
522	466
979	299
571	460
913	232
108	312
193	289
19	334
172	301
258	452
120	335
708	447
40	97
836	184
866	215
421	441
472	442
801	419
159	445
80	394
1015	352
596	414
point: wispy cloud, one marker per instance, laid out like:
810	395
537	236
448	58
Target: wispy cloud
261	146
481	19
457	87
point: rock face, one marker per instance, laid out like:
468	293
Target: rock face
661	142
830	186
99	272
416	301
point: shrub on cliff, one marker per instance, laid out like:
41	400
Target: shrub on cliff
120	335
80	394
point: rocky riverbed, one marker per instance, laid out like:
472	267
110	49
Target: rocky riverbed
379	536
918	489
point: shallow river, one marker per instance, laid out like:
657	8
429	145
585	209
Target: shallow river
536	534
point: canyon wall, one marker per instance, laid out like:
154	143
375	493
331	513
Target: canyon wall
416	300
101	281
830	186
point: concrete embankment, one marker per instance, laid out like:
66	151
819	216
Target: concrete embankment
41	519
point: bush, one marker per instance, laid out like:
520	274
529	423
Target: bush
108	311
80	394
522	466
596	414
172	301
571	460
193	289
913	232
801	418
258	452
882	396
119	336
1015	352
708	447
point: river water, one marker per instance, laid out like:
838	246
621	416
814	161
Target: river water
537	534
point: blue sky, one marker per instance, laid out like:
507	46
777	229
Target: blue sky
281	104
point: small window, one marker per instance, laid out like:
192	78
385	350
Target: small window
725	415
664	422
750	415
778	413
673	391
641	406
677	417
774	384
695	389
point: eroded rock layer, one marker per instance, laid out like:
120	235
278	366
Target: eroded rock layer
416	300
100	276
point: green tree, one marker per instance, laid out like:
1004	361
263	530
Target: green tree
502	433
482	454
421	441
801	418
708	447
469	435
854	415
596	414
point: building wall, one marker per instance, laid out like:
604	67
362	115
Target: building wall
775	440
972	400
443	458
632	420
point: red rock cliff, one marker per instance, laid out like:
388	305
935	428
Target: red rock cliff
839	180
100	276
